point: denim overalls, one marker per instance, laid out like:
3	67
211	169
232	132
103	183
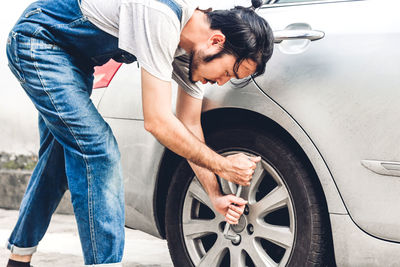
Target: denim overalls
52	51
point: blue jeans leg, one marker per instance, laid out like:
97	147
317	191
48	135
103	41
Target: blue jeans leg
60	90
44	192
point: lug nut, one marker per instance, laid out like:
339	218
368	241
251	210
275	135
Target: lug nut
237	239
246	210
221	226
250	229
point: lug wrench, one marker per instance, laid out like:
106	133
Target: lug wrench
234	238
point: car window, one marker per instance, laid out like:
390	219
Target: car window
274	3
293	1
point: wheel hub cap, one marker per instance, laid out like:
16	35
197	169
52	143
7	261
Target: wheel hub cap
238	228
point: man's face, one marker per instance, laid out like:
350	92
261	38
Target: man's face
219	70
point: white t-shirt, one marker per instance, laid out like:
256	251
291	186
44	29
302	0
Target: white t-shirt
150	30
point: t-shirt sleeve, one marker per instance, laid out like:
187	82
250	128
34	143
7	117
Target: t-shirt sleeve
152	35
181	76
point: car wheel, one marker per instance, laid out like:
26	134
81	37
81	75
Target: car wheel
285	222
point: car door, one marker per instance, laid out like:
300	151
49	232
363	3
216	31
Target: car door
336	72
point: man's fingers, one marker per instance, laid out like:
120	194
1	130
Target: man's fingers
244	182
249	172
236	208
231	219
234	214
235	211
241	182
255	159
237	200
231	222
243	167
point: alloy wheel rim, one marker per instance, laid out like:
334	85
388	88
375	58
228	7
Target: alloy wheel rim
267	233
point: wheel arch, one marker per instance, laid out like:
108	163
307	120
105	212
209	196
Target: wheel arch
221	118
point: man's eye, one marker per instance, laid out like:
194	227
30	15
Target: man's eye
227	73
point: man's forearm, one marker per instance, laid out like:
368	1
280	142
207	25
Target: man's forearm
206	177
175	136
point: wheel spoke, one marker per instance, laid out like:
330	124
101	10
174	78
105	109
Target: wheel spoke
258	255
258	176
228	187
279	235
237	257
276	199
198	192
225	186
198	228
215	255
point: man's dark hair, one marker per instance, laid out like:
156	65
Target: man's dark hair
247	36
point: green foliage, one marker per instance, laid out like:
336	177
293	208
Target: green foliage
17	162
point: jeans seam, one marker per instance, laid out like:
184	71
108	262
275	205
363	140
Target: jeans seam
33	12
36	32
14	35
50	45
71	24
80	7
44	45
12	45
89	176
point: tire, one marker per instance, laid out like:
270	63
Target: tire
287	222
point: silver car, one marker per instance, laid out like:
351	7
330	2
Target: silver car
325	118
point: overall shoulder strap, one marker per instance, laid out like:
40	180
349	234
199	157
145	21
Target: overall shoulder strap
174	6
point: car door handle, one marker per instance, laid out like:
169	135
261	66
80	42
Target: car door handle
311	35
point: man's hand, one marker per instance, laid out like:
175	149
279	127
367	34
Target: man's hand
240	170
230	206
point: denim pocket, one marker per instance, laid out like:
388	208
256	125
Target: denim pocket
13	59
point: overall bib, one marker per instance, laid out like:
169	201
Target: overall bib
52	50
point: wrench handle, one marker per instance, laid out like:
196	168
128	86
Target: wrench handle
239	191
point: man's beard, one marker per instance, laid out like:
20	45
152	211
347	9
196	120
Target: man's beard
198	57
194	61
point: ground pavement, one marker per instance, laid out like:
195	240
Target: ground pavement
61	247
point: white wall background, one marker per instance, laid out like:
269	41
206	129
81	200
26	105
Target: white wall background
18	117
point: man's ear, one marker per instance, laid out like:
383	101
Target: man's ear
217	39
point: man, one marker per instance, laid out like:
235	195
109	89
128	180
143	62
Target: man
52	51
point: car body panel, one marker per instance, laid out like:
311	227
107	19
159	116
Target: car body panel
141	155
125	102
344	92
354	247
